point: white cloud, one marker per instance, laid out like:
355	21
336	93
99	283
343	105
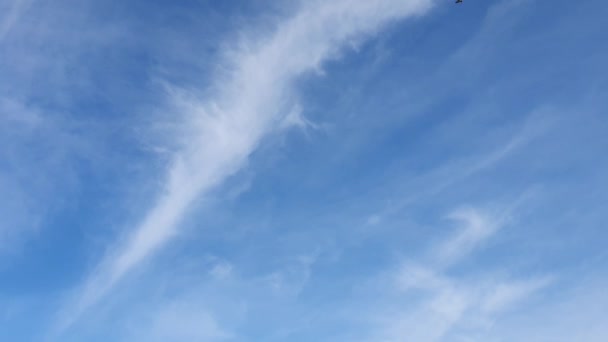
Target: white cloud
451	307
221	270
574	314
17	113
292	279
180	321
503	296
30	178
11	15
477	227
249	103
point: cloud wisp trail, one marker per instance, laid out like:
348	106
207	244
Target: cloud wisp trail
11	17
250	102
450	302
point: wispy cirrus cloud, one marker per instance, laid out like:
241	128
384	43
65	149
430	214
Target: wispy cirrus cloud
476	229
12	11
30	194
181	321
250	101
452	307
457	110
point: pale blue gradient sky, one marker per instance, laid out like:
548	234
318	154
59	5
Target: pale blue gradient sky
387	170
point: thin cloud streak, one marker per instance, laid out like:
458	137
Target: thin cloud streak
477	228
452	304
12	16
224	131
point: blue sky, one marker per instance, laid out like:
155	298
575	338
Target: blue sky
382	170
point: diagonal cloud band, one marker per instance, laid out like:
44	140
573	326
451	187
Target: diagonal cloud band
228	127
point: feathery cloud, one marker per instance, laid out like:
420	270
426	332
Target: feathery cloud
12	14
448	302
251	101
